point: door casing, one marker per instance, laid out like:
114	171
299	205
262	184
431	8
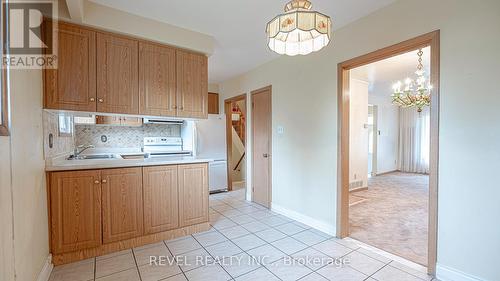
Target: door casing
430	39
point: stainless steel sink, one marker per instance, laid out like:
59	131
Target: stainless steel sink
92	156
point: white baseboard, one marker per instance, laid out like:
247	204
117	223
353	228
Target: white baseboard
445	273
46	270
314	223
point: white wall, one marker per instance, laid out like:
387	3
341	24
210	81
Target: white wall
6	239
388	126
24	230
305	104
358	133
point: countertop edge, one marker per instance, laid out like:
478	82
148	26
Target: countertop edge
121	164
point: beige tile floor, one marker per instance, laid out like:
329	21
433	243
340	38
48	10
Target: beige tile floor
247	242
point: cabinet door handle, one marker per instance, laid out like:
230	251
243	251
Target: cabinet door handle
104	181
174	107
92	99
265	155
181	107
100	100
96	182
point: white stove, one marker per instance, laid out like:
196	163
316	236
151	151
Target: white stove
165	146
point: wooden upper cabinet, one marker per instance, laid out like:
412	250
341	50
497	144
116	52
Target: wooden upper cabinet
75	208
72	86
117	74
193	194
161	208
192	85
122	208
157	94
213	103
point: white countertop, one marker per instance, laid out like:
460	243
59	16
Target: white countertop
61	164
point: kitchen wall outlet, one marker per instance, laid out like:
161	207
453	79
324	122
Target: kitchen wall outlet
281	130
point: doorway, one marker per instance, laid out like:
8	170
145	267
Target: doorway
344	88
235	109
261	146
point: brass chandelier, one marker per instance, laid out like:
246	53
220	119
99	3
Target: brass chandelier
414	93
299	31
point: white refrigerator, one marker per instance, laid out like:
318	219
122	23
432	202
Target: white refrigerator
210	141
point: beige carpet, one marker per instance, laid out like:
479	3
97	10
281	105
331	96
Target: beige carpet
394	216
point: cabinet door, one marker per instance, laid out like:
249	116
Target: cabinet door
192	85
193	194
213	103
121	204
156	80
117	74
75	202
161	209
72	86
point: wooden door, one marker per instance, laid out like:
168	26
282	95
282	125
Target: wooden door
72	86
122	208
117	74
193	194
161	208
192	85
261	152
75	202
213	103
157	93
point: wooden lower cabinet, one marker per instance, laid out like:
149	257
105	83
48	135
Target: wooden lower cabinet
193	193
122	205
161	195
75	208
95	212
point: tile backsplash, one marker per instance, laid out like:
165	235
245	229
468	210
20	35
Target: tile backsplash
124	137
61	144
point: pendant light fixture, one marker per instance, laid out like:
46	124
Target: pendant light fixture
299	31
414	93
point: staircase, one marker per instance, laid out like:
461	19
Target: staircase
238	137
238	122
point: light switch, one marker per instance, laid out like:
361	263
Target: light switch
281	130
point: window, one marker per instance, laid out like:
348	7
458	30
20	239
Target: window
4	104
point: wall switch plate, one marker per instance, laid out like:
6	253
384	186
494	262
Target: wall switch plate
281	130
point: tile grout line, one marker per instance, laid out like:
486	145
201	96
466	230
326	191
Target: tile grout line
136	265
182	271
261	265
215	260
308	247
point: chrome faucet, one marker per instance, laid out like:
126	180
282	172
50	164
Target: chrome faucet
78	150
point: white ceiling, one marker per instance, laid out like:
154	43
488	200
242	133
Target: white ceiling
382	74
238	26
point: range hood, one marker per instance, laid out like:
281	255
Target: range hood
162	121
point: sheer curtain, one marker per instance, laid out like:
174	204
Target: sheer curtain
414	140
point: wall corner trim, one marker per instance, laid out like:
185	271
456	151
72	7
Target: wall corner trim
46	270
312	222
445	273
